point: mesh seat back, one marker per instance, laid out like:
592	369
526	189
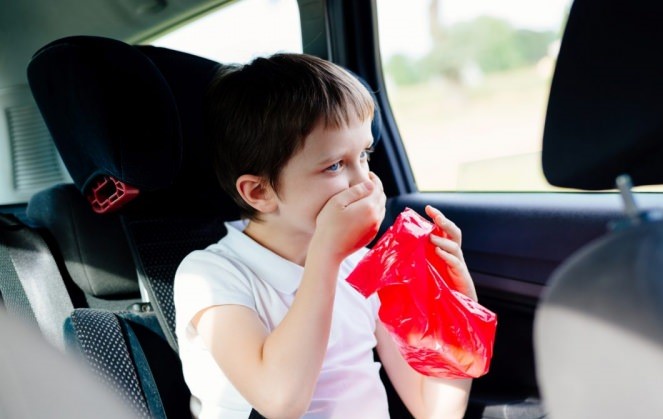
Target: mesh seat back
159	245
130	355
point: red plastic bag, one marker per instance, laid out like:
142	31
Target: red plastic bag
440	332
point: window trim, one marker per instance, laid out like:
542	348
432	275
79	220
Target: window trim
354	44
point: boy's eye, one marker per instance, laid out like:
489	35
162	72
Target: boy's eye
335	167
366	154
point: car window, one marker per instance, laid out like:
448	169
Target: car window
468	83
29	161
240	31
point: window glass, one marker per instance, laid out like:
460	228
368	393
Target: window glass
240	31
468	82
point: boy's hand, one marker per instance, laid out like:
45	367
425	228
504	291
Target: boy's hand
448	248
351	218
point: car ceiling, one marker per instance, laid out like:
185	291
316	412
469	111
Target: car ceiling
27	25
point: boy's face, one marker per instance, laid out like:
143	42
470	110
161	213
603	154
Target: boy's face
331	161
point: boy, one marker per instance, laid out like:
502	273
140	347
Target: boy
265	319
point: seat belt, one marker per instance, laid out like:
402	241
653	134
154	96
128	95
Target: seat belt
39	277
12	294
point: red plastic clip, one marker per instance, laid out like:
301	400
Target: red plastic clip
108	194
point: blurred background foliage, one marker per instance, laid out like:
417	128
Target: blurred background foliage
471	108
471	49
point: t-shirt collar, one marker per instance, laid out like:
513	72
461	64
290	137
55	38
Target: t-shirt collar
280	273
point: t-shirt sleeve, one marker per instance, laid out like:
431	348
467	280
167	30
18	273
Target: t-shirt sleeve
205	279
373	300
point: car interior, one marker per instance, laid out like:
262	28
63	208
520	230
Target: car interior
89	260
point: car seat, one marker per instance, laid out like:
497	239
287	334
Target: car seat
598	329
127	129
130	134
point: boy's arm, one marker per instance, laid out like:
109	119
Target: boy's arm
425	397
277	372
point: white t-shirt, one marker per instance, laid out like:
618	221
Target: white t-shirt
238	270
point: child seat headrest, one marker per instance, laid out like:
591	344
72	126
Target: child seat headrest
127	120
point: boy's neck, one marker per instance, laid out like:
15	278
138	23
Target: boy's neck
293	248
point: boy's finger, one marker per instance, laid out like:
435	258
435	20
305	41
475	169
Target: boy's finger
452	260
378	191
353	194
447	245
444	223
435	215
376	181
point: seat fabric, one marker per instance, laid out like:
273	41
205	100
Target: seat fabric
93	247
160	245
130	354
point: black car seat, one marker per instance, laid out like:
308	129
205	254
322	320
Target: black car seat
130	133
127	129
599	326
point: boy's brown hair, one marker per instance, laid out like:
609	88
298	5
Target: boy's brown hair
259	114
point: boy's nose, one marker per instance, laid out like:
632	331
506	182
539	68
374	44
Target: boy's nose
359	176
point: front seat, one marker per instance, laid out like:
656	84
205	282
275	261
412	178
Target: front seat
599	326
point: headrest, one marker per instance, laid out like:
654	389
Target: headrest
376	125
606	101
598	333
131	113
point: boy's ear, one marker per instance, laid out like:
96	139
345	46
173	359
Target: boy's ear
257	192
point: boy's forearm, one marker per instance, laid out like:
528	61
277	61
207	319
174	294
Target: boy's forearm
293	353
425	397
444	398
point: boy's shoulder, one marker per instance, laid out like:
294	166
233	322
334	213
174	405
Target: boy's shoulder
221	252
214	257
215	274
